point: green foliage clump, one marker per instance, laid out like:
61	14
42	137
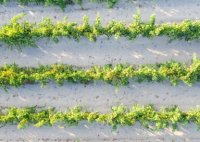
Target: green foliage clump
24	33
118	75
148	117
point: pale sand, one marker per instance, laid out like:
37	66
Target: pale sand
101	96
86	53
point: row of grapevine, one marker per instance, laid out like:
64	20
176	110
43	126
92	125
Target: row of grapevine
25	33
13	75
148	116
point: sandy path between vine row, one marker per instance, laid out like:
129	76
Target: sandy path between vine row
101	96
86	53
98	133
165	10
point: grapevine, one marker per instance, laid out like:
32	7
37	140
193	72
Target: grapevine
148	116
118	75
24	33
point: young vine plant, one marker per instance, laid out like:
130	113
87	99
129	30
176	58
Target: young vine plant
23	33
147	116
118	75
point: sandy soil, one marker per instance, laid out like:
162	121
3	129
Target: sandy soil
98	133
100	96
165	10
104	51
